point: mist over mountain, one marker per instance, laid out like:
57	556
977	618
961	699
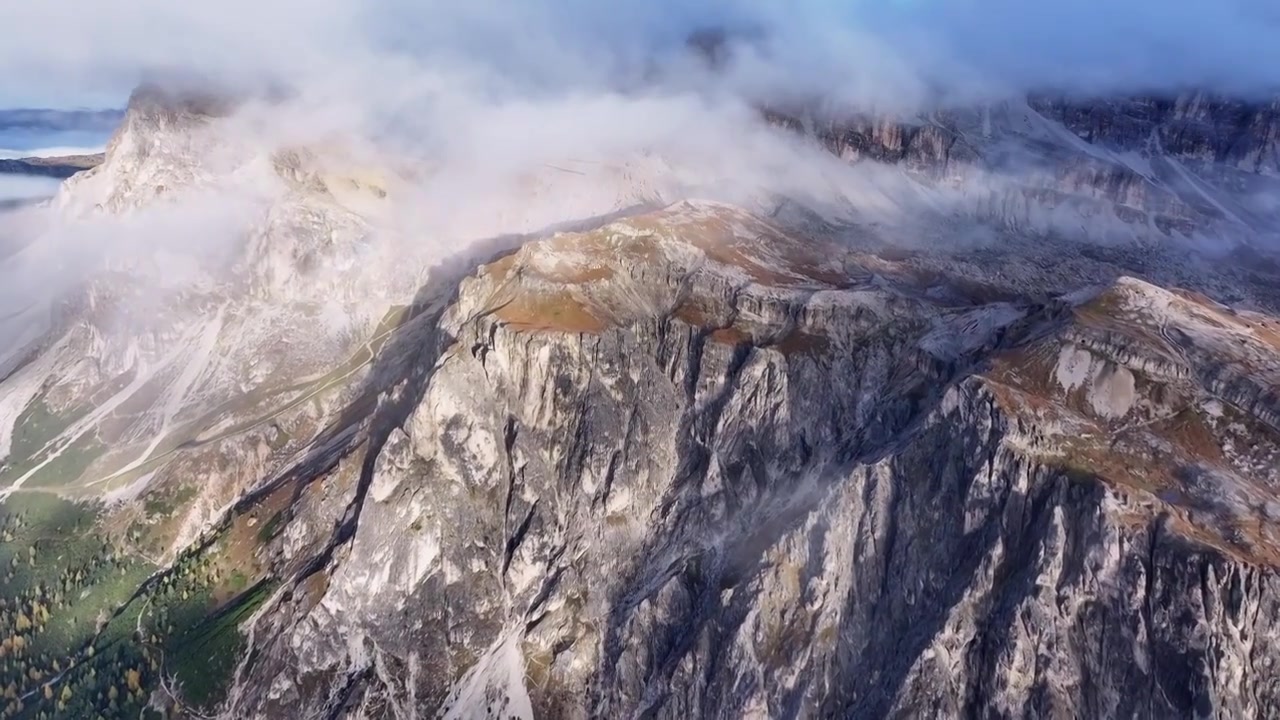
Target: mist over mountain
725	358
886	54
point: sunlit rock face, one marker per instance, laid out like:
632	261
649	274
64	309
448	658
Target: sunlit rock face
691	463
987	433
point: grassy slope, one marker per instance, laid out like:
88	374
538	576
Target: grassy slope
99	627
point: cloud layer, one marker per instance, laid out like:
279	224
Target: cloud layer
886	53
595	105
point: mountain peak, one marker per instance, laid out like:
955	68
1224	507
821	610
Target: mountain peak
845	450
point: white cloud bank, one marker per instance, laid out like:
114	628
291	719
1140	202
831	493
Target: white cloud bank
887	53
482	97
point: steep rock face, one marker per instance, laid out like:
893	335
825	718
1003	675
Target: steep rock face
1194	165
1193	126
691	464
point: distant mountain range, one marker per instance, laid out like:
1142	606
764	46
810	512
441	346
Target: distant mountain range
56	167
33	133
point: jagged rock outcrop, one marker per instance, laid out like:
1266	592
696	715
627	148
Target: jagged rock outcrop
1194	126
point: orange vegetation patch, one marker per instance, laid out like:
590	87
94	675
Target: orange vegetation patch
1108	312
695	315
729	336
798	342
588	257
1266	329
794	265
691	313
1010	399
579	274
499	269
1147	471
1209	311
1151	473
1145	462
557	311
1016	401
1187	430
240	544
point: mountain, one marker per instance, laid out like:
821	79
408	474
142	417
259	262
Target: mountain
58	167
995	431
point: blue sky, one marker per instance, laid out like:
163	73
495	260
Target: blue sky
41	134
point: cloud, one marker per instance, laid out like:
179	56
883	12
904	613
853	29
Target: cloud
883	53
480	96
23	187
514	116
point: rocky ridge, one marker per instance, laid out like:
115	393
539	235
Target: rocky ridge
704	466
